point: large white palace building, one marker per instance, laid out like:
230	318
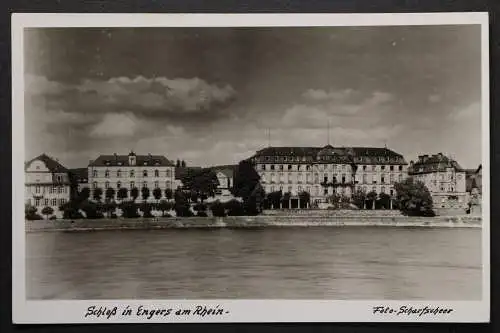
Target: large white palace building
47	183
322	171
131	171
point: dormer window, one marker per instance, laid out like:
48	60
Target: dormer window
120	163
145	163
132	159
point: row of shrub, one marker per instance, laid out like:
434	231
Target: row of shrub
131	209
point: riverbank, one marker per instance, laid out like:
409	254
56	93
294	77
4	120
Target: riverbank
261	221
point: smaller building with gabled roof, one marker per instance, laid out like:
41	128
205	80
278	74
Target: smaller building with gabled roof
47	183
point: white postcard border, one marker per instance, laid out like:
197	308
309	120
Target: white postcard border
27	311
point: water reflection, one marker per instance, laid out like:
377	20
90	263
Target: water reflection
291	263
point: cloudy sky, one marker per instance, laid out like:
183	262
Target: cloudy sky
209	95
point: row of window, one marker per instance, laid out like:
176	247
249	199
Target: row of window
47	202
380	159
316	190
156	184
280	177
325	167
53	189
119	173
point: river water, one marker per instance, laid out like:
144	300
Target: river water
285	263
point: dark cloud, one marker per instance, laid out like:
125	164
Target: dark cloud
209	94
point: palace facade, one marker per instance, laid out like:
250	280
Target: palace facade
47	183
323	171
131	171
445	179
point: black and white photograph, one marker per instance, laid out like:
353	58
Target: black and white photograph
241	159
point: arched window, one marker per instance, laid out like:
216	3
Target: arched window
118	184
106	185
145	173
157	173
95	173
132	185
132	173
119	173
157	184
106	173
144	184
94	185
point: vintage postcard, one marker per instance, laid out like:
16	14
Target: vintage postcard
250	168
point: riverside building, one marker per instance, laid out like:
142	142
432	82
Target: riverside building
445	179
47	183
323	171
131	171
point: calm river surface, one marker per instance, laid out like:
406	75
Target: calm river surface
287	263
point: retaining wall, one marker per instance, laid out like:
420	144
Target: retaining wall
251	222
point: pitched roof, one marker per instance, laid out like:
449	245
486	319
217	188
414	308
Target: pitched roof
123	160
361	155
433	163
51	164
228	170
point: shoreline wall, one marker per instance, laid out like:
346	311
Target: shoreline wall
261	221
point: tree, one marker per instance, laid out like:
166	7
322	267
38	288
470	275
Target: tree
218	209
200	181
178	163
274	199
286	200
181	205
183	164
193	196
84	194
122	193
385	201
169	194
245	180
414	198
372	197
97	194
47	211
234	208
134	193
305	198
110	193
164	206
92	210
71	210
146	208
334	199
129	209
109	207
145	193
157	193
30	212
358	198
